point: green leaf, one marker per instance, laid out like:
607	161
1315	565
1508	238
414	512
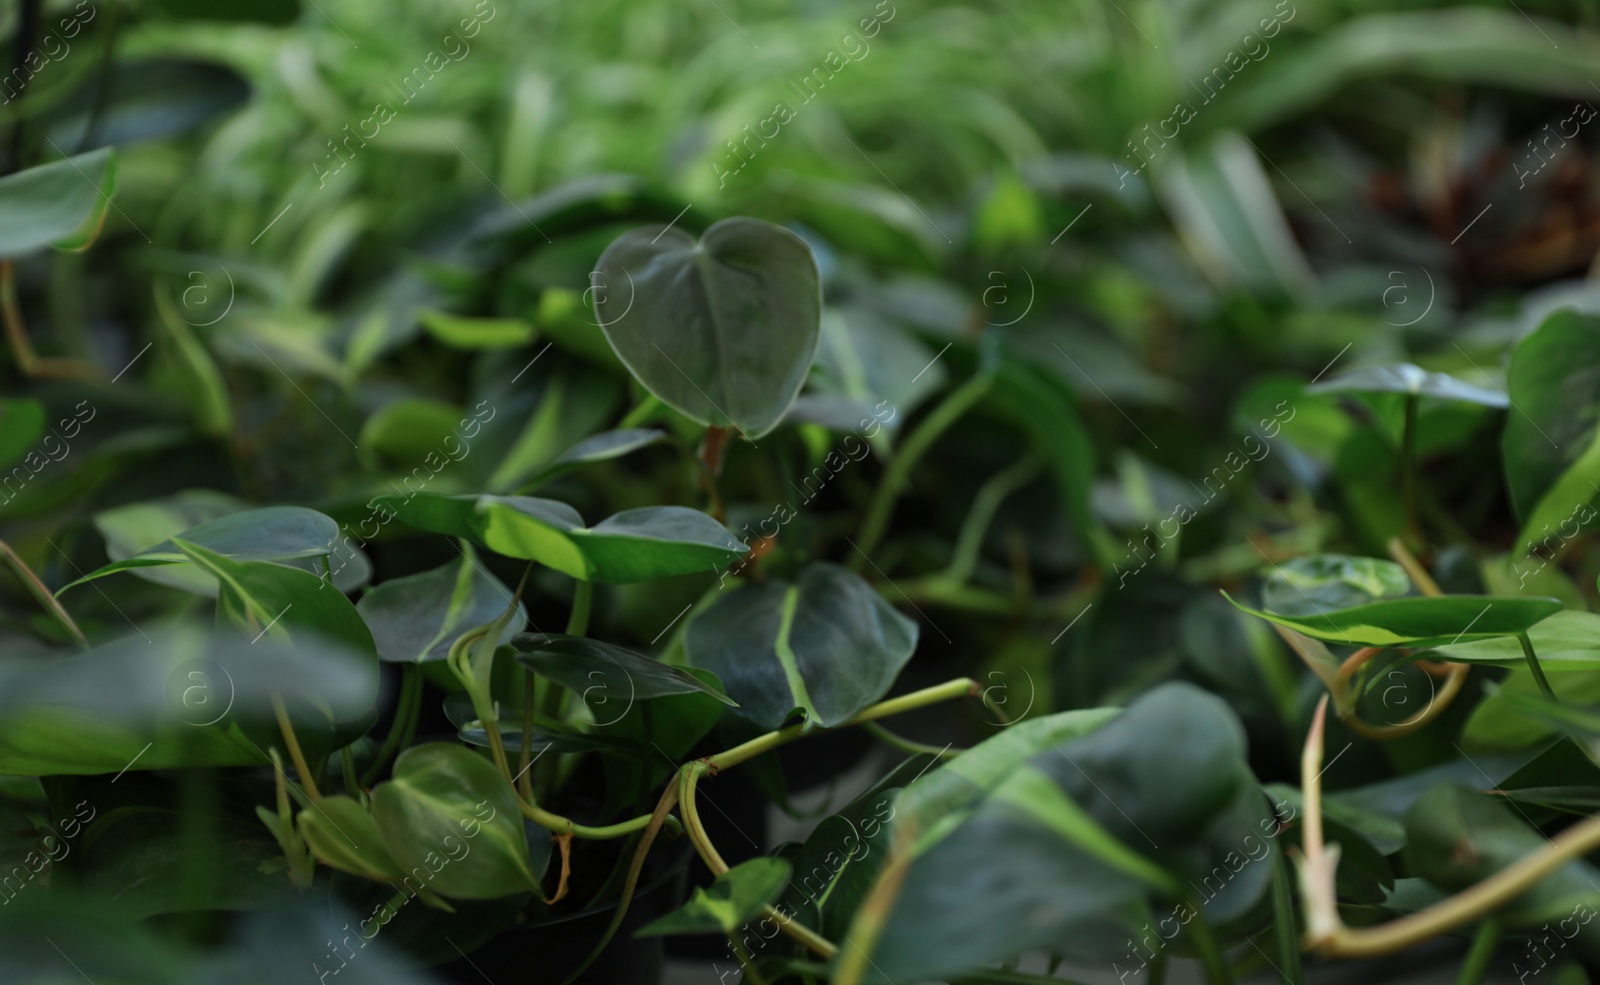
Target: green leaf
21	424
723	330
1418	621
418	617
1409	379
827	645
461	332
1081	842
137	527
60	204
342	834
1304	586
1503	720
634	545
408	430
452	823
601	447
735	898
269	533
1551	446
1456	837
177	697
1568	640
583	666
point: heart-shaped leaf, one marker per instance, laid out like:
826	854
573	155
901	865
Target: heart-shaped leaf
60	204
452	823
269	533
1412	380
827	645
1303	586
1420	621
735	898
634	545
723	330
417	618
179	697
586	666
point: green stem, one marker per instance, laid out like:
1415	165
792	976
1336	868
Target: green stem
895	477
745	961
906	745
406	707
582	600
1534	668
40	593
996	976
984	506
1211	956
642	411
961	687
551	821
1483	944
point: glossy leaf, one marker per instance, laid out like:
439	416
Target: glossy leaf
60	204
452	823
827	646
1411	380
418	617
1418	621
724	329
1304	586
735	898
634	545
268	533
585	666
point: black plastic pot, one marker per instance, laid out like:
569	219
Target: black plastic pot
546	952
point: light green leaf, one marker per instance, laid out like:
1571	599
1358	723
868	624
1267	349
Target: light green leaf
1305	586
1419	621
1409	379
461	332
735	898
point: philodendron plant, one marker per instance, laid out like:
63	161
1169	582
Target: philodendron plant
199	769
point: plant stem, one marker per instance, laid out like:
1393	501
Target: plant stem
40	593
406	707
582	601
745	961
984	506
295	755
687	780
1327	934
895	477
1205	941
641	412
1483	944
906	745
525	757
1534	668
564	825
961	687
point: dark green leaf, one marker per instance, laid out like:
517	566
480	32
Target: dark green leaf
723	330
827	646
418	617
21	424
586	666
1551	444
